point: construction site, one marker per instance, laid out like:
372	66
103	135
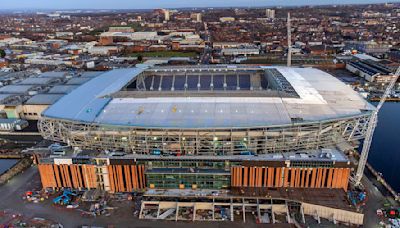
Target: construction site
214	143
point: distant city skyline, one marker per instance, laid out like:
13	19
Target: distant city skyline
136	4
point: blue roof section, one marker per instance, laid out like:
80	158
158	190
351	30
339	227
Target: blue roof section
86	102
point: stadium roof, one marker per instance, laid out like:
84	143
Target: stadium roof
84	103
90	74
321	97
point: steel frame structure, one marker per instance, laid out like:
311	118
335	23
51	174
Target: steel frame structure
207	142
371	129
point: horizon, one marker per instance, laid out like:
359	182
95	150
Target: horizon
29	5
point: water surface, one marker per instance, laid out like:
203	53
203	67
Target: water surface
5	164
385	149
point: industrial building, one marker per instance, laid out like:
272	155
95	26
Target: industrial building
371	70
221	127
240	51
26	95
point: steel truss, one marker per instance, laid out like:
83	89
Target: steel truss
260	140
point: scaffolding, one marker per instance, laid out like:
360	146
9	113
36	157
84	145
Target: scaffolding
243	208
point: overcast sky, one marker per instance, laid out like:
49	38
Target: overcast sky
140	4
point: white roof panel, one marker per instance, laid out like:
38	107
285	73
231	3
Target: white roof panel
321	97
83	103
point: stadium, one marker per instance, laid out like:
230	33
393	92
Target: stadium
205	127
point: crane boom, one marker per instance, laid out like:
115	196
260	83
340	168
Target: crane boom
371	128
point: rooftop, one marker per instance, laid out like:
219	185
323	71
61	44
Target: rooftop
4	96
53	74
62	89
36	81
44	99
331	155
16	89
85	102
78	81
291	94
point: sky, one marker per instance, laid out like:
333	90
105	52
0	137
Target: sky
150	4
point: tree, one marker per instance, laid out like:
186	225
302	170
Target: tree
2	53
140	58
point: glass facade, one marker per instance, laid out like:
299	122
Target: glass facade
204	174
174	180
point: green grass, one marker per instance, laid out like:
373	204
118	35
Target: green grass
165	54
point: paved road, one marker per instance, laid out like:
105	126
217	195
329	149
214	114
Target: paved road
377	196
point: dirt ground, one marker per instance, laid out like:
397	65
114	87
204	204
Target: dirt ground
14	207
12	202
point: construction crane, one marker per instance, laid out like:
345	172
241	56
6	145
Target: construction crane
371	128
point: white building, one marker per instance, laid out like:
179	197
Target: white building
166	15
144	36
103	50
226	19
196	17
270	13
49	62
240	51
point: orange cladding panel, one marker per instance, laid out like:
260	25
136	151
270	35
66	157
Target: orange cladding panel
323	178
330	175
292	176
278	177
346	177
270	177
245	173
313	175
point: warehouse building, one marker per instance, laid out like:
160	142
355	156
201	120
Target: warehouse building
26	95
370	70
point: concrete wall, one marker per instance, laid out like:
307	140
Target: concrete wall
33	112
332	213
